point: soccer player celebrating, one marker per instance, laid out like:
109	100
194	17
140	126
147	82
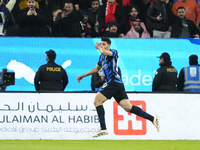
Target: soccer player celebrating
114	87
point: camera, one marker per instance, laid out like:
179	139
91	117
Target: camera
65	10
7	78
32	7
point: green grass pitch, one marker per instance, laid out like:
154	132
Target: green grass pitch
99	145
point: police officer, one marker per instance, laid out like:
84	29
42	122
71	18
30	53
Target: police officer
50	77
189	77
166	76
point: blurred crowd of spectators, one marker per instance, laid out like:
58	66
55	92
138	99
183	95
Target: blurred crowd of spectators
101	18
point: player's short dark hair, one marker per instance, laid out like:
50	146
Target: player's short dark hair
106	40
181	7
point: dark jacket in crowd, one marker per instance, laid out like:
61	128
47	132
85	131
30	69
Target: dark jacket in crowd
83	4
92	19
110	35
154	10
51	5
50	77
120	17
165	78
31	25
69	26
143	9
140	4
177	24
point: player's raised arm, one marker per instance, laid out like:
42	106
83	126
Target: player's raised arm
92	71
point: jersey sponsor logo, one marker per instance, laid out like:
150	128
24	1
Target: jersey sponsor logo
128	123
23	71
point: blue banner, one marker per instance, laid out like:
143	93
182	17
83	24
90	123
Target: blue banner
137	59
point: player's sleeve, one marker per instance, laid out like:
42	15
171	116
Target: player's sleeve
114	53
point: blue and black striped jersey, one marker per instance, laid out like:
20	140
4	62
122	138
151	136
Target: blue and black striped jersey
110	66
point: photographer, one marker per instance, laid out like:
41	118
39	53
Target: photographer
32	21
67	22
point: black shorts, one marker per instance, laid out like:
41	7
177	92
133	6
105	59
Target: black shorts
114	89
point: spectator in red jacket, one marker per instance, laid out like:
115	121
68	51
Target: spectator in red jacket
111	11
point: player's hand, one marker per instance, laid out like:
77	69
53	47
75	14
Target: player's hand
166	1
97	45
79	78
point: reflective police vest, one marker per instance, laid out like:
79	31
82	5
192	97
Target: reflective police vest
192	78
